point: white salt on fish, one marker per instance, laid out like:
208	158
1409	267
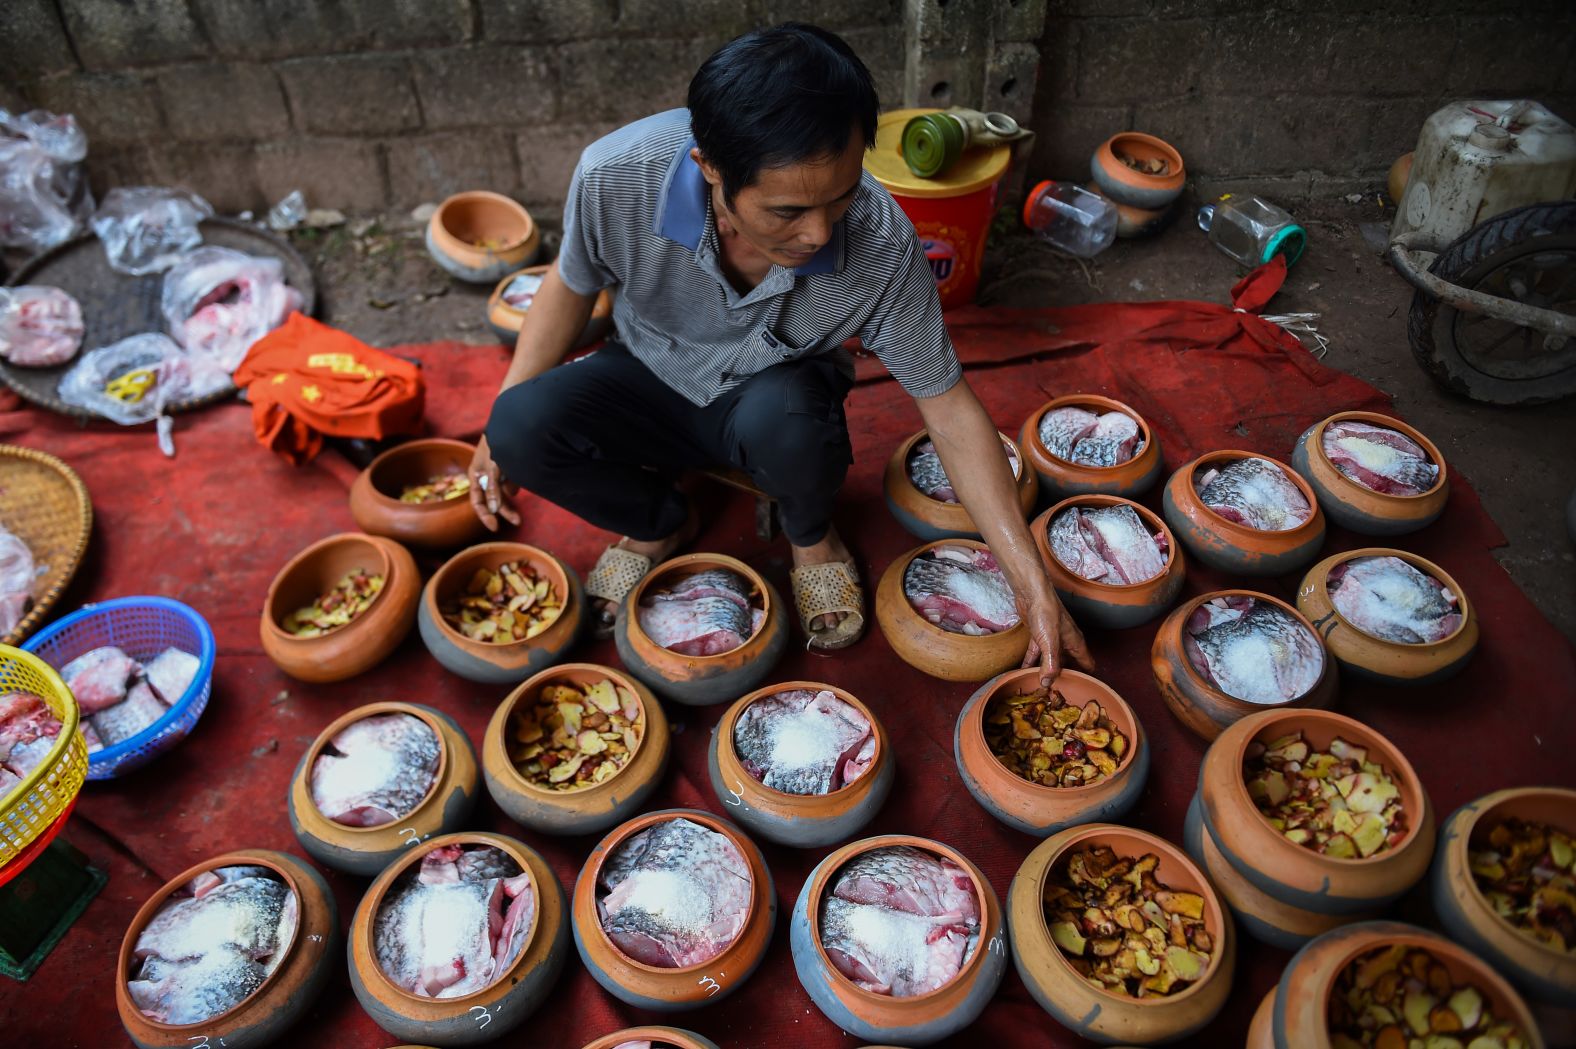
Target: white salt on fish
677	894
705	613
17	575
375	770
28	730
40	327
1391	599
803	742
171	673
926	473
1253	650
1254	492
1107	544
99	678
1379	458
139	710
1083	437
960	589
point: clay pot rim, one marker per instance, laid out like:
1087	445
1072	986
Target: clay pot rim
1185	611
907	609
534	684
649	1032
559	581
983	895
272	615
628	829
730	720
1510	796
906	449
1316	447
395	870
1422	563
349	718
1231	455
1171	179
1401	769
151	907
1085	400
496	301
1042	526
389	502
976	726
466	196
1152	843
672	565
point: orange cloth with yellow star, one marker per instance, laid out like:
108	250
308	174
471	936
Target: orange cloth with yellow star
305	379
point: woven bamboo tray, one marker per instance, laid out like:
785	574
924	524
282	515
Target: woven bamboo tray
44	794
45	504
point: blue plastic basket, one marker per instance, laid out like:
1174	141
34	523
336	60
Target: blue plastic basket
142	627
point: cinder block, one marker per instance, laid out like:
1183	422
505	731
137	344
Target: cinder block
1098	8
225	102
1141	61
1059	49
264	29
964	25
938	75
1510	58
548	157
1391	129
715	20
486	86
1065	136
351	94
431	167
115	109
1393	59
331	173
836	15
34	41
111	166
1020	21
1010	79
1264	53
223	175
544	21
597	75
113	34
1214	136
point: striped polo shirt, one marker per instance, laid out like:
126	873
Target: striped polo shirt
639	217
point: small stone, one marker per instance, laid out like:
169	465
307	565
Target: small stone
324	218
422	213
283	696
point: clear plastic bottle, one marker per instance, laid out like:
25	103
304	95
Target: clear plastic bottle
1071	218
1252	230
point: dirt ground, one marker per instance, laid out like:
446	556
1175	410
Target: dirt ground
376	280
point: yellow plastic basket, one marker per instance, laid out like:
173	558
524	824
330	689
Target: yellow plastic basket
30	809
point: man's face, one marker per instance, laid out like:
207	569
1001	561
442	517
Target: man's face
787	213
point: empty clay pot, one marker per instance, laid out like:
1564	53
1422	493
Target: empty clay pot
1373	658
505	320
1233	547
1130	187
482	1016
802	820
671	990
375	503
363	642
589	809
702	680
1032	807
929	519
1295	1016
1095	1013
517	660
1060	478
1539	970
917	1020
940	653
283	998
365	851
1199	705
1356	507
478	236
657	1036
1112	606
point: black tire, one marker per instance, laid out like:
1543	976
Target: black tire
1456	348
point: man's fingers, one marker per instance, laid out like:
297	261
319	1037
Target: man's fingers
509	512
1032	656
480	507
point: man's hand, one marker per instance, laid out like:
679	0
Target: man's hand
489	491
1051	631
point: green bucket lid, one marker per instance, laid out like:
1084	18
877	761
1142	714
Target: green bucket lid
931	143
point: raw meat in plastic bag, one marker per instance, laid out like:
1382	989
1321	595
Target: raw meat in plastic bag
961	590
1379	458
217	302
803	742
1390	599
44	195
704	614
40	327
1107	544
148	371
1253	650
1254	492
376	770
521	292
146	229
17	575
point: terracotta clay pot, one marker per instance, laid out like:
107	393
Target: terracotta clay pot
505	320
262	1017
365	851
1291	875
917	1020
1373	658
1060	478
366	640
590	809
1232	547
940	653
701	680
479	237
1360	509
672	990
508	663
930	519
1031	807
1540	971
1137	189
1097	1014
1114	607
374	496
802	820
1202	707
1298	1006
662	1036
482	1016
1134	222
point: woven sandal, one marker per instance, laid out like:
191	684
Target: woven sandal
832	586
616	572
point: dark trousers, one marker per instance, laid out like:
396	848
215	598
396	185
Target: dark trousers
605	439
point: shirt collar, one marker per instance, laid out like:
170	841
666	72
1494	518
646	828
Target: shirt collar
686	199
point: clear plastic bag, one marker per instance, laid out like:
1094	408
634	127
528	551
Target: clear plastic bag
17	574
40	327
217	302
131	381
44	195
146	229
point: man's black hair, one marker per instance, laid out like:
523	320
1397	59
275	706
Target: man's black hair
776	97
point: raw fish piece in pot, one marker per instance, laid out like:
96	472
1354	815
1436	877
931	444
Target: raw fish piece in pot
1113	441
960	589
1107	545
1254	492
1253	650
1379	458
705	613
1390	599
375	770
926	473
803	742
1062	428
